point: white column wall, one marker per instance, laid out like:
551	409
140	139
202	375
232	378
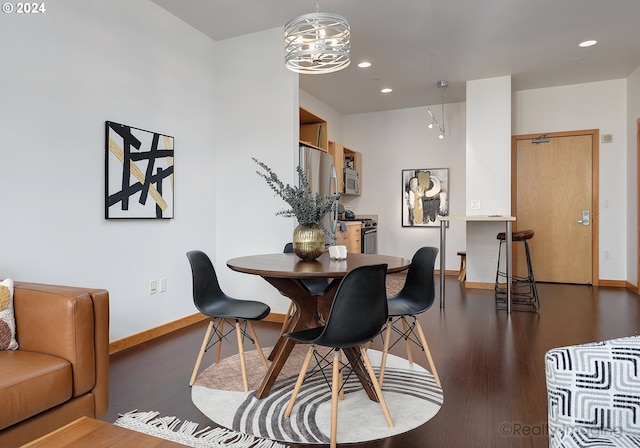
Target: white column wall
488	159
256	116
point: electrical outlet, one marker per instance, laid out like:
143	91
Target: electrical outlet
153	287
163	284
491	258
607	255
475	205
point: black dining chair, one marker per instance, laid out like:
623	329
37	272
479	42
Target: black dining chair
313	285
211	301
416	296
358	312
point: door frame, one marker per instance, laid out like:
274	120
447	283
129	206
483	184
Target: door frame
595	190
637	285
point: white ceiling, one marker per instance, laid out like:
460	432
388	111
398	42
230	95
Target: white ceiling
413	44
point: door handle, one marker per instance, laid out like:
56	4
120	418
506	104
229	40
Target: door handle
585	221
333	189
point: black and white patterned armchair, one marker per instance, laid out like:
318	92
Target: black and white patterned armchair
593	393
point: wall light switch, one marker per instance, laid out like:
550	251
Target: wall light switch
153	287
163	284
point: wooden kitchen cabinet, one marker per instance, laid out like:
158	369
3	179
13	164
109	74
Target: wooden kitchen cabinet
342	158
351	238
313	130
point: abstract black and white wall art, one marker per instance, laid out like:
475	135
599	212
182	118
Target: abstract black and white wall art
138	173
425	195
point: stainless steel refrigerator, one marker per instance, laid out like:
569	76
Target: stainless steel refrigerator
321	173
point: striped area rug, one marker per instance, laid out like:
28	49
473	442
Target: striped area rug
188	433
411	393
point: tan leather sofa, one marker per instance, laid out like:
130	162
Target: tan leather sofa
61	370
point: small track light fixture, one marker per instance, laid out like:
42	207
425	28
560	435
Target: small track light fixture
442	85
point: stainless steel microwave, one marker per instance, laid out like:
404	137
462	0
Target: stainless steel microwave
351	182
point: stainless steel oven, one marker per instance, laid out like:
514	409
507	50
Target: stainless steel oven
369	241
369	237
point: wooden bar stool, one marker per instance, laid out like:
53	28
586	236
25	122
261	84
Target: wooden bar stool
524	294
463	265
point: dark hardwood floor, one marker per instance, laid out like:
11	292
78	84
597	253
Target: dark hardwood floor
491	365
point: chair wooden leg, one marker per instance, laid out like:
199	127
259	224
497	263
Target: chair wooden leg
258	347
335	387
243	365
423	340
341	378
296	389
407	342
377	388
203	347
287	318
385	350
219	332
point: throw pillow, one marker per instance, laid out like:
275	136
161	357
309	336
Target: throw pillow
7	319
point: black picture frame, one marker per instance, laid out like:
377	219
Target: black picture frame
425	194
139	169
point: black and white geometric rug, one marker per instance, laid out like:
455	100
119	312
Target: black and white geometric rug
189	433
411	393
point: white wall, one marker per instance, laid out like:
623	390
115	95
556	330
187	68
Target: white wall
68	71
64	74
320	109
598	105
633	115
488	145
488	141
397	140
256	116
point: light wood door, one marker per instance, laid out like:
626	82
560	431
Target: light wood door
554	186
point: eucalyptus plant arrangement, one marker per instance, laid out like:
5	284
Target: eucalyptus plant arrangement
307	207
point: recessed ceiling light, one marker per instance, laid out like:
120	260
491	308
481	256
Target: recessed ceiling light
386	90
364	64
588	43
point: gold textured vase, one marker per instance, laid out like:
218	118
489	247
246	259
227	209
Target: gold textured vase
308	241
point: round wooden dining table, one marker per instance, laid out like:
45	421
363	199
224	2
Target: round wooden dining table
285	271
